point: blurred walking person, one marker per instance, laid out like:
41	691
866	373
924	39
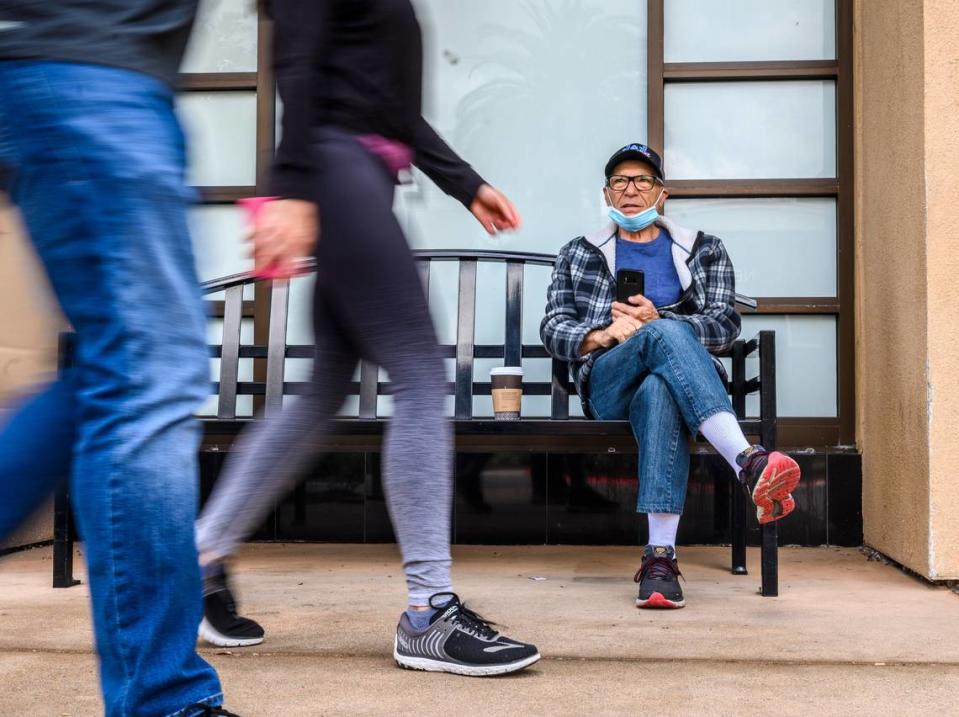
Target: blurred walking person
349	73
96	155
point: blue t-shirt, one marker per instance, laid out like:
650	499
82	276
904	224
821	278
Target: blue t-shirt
655	260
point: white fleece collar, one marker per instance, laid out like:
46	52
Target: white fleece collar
684	239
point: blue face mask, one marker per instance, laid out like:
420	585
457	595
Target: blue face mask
636	222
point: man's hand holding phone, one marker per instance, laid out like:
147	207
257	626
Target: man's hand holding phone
629	314
639	308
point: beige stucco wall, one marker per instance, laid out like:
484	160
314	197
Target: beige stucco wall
908	341
28	328
941	24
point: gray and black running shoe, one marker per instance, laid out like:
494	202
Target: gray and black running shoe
459	641
658	579
222	625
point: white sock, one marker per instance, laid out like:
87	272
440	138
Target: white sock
662	528
724	434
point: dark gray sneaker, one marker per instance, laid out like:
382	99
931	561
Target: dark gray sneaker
222	625
459	641
658	579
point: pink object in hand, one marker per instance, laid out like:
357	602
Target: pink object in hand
253	205
395	155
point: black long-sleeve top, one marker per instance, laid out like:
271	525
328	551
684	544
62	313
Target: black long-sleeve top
355	64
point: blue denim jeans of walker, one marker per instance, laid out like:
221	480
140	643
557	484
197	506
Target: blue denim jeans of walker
666	385
98	160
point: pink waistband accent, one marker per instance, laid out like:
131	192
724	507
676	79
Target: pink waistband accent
395	155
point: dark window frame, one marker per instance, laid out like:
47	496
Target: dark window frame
794	431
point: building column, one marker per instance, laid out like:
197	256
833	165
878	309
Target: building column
907	257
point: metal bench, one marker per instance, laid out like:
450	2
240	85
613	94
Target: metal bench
534	434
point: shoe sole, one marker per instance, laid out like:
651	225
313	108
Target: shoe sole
425	664
657	601
773	492
214	637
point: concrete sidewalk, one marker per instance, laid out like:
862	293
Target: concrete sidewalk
846	636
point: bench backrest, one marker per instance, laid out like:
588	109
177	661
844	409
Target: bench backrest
465	350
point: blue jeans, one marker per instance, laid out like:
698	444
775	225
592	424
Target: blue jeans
665	383
98	160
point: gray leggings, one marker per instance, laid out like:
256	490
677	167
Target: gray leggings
368	303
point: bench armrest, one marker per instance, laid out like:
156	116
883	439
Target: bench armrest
764	384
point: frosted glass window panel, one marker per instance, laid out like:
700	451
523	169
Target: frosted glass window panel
536	95
805	363
384	406
299	327
214	333
749	30
223	39
244	406
536	406
779	247
750	130
444	298
575	407
221	134
482	407
209	407
536	281
482	368
218	241
297	370
490	303
538	370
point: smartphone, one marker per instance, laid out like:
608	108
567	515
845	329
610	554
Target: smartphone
629	283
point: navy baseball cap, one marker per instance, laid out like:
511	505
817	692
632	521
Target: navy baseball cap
635	151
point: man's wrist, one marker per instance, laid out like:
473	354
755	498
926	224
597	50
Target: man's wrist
593	340
602	338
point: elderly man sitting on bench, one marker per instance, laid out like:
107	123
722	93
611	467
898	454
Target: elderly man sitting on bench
637	307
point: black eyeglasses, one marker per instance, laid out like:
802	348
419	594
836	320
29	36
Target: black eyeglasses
642	182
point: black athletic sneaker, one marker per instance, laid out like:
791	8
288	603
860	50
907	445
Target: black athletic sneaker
459	641
208	711
658	579
221	626
769	479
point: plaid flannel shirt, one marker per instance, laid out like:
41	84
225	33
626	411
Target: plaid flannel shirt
582	291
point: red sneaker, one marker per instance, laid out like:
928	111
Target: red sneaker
769	479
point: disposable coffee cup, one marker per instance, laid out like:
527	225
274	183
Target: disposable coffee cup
507	392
